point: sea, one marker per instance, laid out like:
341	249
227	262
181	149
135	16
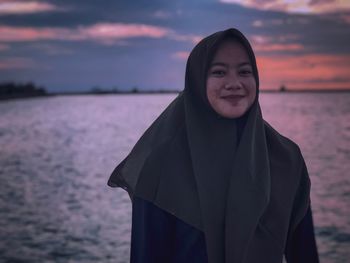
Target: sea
57	152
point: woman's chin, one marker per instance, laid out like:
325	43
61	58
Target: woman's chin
232	112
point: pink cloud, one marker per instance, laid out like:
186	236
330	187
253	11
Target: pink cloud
269	22
278	47
182	55
105	33
297	6
261	39
21	7
99	32
18	34
109	32
276	43
186	38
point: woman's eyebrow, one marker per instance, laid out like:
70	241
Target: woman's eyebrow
218	64
244	64
225	64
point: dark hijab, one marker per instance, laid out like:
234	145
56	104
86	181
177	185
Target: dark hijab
215	173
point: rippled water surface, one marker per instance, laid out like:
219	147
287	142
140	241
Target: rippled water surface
56	155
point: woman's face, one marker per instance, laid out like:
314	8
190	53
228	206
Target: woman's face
231	86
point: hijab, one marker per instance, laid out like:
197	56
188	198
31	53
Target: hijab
211	172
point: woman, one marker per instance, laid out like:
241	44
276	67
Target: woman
210	180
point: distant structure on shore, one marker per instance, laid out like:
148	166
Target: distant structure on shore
10	90
283	88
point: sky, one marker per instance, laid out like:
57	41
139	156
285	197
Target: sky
76	45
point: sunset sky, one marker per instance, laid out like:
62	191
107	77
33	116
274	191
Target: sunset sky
74	45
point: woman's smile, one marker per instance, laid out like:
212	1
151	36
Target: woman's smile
233	98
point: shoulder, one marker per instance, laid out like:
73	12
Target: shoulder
286	161
279	145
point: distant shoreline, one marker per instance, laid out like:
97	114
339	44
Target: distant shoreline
176	92
150	92
307	91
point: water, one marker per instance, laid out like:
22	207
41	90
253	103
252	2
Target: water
56	155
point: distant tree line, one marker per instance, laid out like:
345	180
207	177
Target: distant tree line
16	90
132	90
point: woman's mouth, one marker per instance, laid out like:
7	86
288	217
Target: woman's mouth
233	98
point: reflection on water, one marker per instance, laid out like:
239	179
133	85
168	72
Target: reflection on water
57	153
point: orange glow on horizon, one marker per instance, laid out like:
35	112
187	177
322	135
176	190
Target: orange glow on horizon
312	71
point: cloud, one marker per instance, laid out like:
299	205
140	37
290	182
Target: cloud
98	32
182	55
105	33
19	34
21	7
305	30
160	14
279	22
279	47
185	38
297	6
264	43
110	32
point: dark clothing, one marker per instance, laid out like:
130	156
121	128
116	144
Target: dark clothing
159	237
302	244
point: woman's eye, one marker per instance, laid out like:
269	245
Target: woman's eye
245	72
218	73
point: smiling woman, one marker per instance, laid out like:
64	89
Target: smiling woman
210	180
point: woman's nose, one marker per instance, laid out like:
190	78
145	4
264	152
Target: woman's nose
233	82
